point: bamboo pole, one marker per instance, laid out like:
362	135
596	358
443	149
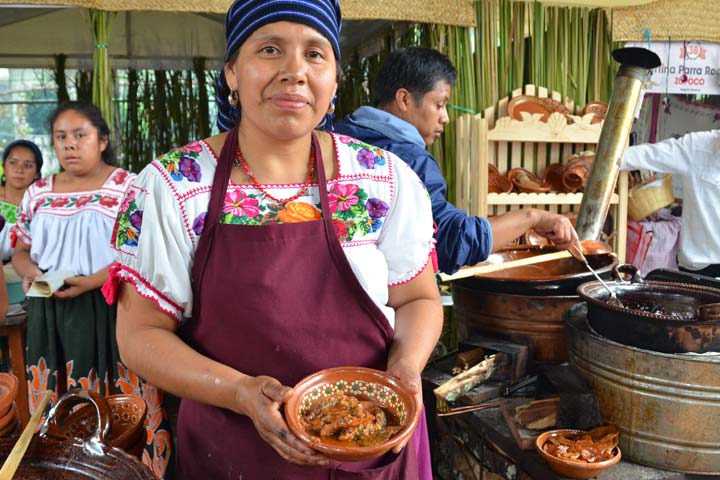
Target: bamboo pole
102	79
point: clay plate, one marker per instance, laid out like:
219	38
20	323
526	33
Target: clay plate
570	468
599	109
378	386
8	391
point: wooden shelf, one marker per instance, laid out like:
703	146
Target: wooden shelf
540	198
495	138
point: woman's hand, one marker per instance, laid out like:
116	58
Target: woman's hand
410	378
260	399
28	279
76	286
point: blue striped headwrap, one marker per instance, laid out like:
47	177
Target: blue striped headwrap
246	16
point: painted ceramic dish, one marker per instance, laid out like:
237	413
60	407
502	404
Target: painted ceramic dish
535	105
341	389
580	469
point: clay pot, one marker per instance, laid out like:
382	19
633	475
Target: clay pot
525	181
126	421
577	170
380	387
553	176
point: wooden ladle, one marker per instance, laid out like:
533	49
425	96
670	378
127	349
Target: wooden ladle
589	247
12	462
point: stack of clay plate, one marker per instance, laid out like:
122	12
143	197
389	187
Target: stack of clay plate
9	420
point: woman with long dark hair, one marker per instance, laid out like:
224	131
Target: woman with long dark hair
22	162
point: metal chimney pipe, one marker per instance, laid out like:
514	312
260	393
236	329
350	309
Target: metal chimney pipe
635	67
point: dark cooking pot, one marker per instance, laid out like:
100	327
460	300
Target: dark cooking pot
70	459
659	316
556	278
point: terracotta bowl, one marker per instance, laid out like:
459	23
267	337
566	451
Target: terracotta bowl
11	429
127	422
499	183
369	384
570	468
8	418
8	391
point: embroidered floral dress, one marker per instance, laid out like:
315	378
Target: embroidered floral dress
9	212
71	343
380	210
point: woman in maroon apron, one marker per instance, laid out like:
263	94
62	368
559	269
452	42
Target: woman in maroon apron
278	287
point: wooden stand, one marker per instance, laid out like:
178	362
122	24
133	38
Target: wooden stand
13	327
494	138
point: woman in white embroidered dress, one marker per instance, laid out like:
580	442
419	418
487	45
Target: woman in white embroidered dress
64	225
267	270
22	162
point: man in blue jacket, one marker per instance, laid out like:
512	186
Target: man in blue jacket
411	93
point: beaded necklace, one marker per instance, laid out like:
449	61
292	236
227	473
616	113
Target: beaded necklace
239	161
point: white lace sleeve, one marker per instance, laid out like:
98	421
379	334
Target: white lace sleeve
407	235
152	246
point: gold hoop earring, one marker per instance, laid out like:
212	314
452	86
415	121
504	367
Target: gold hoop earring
233	98
331	109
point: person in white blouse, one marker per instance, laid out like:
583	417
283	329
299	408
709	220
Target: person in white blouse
694	160
271	252
64	226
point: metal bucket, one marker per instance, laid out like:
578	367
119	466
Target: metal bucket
667	407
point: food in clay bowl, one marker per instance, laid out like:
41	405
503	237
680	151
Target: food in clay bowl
351	413
577	453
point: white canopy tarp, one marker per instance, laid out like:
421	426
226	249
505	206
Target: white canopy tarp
31	37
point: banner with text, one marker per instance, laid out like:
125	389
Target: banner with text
687	67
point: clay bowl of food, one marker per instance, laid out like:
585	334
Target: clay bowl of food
351	413
578	453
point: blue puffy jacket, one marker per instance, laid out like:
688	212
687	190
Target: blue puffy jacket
461	239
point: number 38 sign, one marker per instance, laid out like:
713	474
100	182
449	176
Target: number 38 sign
687	67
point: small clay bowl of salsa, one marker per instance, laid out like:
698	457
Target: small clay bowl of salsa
579	454
351	413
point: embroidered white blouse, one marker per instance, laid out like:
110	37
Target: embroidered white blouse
71	231
380	208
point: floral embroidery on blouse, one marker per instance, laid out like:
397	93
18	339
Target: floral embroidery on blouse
182	163
129	222
354	215
79	201
367	155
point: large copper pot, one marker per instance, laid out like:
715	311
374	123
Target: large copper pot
660	316
70	459
525	304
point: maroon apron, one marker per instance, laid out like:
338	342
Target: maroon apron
278	300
